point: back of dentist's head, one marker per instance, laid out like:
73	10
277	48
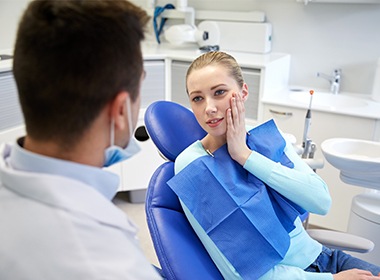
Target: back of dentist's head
71	58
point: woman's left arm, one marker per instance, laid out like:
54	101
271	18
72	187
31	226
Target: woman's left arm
299	184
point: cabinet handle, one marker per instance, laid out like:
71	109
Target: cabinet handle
289	114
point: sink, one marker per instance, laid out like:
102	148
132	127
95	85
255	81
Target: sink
352	155
357	160
325	99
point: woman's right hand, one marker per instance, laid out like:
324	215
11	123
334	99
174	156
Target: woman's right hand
236	130
355	274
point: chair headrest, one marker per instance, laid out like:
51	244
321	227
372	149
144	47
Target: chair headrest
172	127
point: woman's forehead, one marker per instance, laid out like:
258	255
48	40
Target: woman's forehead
208	72
209	79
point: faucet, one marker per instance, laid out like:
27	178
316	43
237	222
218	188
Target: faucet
334	80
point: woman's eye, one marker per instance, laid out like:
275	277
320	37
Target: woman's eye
220	92
197	98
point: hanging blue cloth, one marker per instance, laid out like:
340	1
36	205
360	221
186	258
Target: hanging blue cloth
248	221
157	12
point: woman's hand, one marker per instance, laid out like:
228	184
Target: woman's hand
355	274
236	131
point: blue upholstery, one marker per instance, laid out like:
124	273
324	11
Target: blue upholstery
172	128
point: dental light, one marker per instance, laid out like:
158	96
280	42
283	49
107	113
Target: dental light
206	34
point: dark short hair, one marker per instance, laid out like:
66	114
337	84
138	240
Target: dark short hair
71	58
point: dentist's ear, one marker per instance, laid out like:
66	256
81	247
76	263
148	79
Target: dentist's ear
244	92
119	110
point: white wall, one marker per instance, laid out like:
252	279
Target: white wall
320	37
10	13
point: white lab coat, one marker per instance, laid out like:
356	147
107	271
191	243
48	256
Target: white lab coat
53	227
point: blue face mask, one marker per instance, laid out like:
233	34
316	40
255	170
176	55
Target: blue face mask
114	154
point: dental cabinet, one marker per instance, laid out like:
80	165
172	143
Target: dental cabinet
153	86
11	119
325	124
11	115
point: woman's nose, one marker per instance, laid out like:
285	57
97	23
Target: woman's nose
210	107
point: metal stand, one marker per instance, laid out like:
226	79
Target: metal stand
308	153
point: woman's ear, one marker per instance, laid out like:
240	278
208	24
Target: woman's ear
119	110
244	92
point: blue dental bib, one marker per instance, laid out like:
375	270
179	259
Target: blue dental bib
247	220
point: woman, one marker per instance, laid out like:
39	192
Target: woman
217	93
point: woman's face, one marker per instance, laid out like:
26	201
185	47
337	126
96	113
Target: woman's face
210	90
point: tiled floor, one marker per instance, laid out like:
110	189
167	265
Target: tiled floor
136	212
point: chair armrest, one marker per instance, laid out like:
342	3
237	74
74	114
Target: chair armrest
314	163
341	240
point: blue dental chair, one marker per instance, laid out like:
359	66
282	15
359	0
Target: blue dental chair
173	128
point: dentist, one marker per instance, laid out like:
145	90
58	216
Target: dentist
78	68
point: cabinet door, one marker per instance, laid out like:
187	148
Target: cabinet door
178	82
251	77
136	172
153	86
324	126
10	110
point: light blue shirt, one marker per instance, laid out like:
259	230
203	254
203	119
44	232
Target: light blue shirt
301	185
103	181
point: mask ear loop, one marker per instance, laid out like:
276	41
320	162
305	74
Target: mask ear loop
129	115
112	132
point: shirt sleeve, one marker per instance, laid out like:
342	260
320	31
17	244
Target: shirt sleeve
284	272
299	184
188	155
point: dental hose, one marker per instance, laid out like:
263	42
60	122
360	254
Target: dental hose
306	142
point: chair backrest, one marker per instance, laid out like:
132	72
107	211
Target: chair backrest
172	128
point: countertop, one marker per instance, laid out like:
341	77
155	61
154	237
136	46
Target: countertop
152	50
188	52
6	65
369	109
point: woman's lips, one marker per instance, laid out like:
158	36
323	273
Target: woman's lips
214	122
